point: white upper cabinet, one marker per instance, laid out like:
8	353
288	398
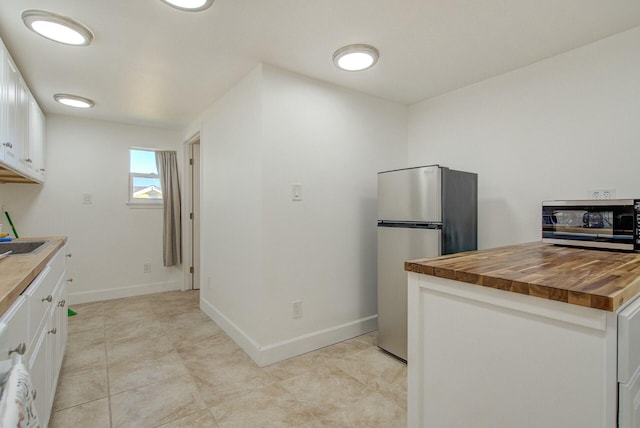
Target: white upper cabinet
22	127
34	156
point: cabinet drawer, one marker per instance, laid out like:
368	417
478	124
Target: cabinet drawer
58	264
14	327
629	341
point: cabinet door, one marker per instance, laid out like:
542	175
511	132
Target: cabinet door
13	328
3	101
10	144
629	342
39	369
629	404
35	148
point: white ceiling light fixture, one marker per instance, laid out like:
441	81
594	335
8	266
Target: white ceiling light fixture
57	27
74	101
356	57
190	5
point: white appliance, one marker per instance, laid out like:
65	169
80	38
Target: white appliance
423	212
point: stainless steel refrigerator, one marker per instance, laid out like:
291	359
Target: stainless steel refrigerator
422	212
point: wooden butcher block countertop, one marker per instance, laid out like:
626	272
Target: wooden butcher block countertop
592	278
17	271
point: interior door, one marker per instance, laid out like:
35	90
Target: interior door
195	209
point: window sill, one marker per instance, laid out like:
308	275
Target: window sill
144	206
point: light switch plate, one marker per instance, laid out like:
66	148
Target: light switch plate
87	198
296	192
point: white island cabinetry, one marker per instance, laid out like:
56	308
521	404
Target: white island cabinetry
531	335
486	358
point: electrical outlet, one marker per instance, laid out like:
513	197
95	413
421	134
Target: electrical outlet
602	194
296	307
147	268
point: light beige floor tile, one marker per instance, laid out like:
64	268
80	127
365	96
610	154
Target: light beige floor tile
133	329
137	347
218	348
167	361
325	389
156	404
202	419
94	414
93	308
189	327
219	381
370	339
374	410
378	370
326	357
85	350
80	387
271	406
344	349
298	365
130	374
88	317
175	308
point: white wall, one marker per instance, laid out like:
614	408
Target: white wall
552	130
268	250
109	241
231	210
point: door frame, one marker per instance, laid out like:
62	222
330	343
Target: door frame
187	241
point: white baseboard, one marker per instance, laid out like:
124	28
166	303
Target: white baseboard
118	293
273	353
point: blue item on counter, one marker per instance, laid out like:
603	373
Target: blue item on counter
5	239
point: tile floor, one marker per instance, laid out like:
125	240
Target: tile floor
158	361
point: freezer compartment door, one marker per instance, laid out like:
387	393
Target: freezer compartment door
410	195
395	246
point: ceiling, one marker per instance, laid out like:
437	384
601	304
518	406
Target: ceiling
154	65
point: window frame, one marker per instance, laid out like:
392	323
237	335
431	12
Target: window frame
142	202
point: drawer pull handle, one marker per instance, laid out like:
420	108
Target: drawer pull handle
53	331
68	255
49	298
34	394
70	280
28	160
62	302
7	144
20	349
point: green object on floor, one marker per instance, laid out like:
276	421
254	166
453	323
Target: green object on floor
71	312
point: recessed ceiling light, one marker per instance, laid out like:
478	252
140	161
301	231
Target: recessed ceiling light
355	57
74	101
57	27
190	5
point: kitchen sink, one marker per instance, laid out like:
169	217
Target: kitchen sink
22	247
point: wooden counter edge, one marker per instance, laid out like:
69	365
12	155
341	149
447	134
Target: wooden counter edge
40	261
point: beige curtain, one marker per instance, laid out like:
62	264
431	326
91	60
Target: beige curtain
167	163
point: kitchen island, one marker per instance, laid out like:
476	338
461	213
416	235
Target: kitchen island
531	335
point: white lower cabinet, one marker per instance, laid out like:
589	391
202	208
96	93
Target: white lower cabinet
484	358
37	320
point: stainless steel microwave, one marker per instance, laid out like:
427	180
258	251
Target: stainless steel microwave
599	223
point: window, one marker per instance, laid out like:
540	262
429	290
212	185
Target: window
144	182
